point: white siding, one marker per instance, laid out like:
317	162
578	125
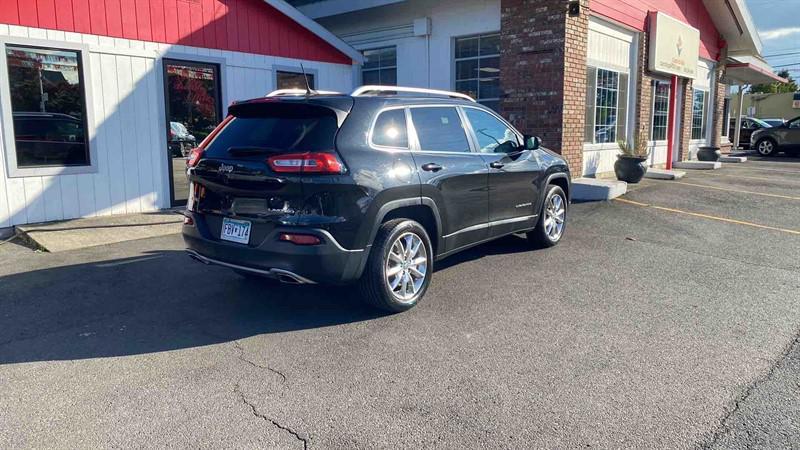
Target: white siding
128	132
421	61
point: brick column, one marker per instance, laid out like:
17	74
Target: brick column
686	119
543	73
644	91
718	111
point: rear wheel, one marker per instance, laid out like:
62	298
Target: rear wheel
766	147
552	219
399	267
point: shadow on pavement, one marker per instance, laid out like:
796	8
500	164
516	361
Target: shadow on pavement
158	302
165	301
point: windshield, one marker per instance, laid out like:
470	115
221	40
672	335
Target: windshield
761	123
277	128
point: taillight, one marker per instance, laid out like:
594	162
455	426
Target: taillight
194	156
300	239
311	162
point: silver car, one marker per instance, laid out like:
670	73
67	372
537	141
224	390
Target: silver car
782	138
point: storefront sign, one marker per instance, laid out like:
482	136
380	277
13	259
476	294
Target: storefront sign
674	46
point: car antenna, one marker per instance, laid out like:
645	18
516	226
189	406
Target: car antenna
309	91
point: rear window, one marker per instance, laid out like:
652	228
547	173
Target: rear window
277	128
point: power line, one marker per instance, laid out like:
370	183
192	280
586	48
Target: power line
776	55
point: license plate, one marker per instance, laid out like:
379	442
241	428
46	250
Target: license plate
235	231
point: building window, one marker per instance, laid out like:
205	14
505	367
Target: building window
380	66
48	107
699	114
293	80
606	105
726	115
660	111
477	62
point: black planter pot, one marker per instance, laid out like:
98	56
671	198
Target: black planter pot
708	154
630	169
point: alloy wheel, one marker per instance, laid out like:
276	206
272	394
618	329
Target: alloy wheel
406	266
765	147
555	215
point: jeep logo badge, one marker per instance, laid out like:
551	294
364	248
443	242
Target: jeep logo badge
225	168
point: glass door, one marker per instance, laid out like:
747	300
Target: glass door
192	95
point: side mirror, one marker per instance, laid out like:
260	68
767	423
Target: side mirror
532	142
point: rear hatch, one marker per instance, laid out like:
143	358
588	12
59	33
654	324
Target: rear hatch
252	169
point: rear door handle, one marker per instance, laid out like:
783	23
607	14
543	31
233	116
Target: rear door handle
431	167
496	165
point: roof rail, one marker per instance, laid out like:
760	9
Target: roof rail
370	89
299	92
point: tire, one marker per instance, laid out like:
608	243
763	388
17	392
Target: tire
375	284
766	147
547	232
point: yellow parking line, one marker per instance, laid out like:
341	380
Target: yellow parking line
787	197
763	169
715	175
707	216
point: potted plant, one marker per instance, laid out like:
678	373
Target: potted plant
630	166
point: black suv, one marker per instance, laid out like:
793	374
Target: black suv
368	188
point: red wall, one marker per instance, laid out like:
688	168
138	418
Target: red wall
238	25
633	13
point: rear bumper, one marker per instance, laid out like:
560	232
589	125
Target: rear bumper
327	263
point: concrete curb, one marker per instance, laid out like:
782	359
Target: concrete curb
698	165
663	174
733	159
593	190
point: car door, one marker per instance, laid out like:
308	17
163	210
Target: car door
514	172
451	174
791	138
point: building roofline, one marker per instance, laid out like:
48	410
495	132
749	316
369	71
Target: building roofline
312	26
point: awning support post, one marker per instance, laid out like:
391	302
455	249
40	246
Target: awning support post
673	91
737	130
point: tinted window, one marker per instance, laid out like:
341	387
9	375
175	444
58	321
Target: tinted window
48	106
390	129
794	124
276	128
439	129
493	135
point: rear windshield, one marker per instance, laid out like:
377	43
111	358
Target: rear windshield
276	128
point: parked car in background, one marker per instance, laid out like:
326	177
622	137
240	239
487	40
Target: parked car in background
369	188
749	125
784	138
49	139
181	142
774	122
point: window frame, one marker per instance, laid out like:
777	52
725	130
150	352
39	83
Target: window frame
380	67
455	60
703	116
413	137
654	87
6	111
726	117
627	107
473	136
296	70
372	144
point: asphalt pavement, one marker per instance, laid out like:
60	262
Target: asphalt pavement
667	320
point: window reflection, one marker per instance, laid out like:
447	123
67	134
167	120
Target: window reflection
48	106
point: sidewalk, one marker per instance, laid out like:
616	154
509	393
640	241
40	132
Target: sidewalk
81	233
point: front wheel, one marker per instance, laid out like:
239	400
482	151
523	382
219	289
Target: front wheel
552	219
766	147
399	267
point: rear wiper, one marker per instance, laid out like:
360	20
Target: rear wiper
251	150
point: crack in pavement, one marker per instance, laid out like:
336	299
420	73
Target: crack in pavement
724	427
241	357
275	423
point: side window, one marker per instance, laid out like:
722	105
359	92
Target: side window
493	135
439	129
390	129
795	124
